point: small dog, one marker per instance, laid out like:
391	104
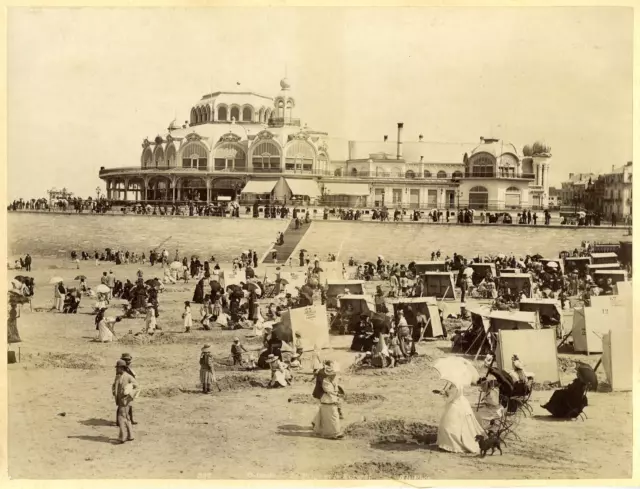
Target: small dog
491	442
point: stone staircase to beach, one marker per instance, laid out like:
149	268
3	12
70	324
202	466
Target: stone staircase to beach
292	237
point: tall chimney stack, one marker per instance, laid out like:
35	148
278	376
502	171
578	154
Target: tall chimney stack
420	137
399	151
385	138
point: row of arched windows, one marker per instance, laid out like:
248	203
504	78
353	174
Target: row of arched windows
379	172
246	113
266	155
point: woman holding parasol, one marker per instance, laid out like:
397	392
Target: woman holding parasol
458	425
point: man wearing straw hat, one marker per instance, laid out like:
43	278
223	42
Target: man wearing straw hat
125	390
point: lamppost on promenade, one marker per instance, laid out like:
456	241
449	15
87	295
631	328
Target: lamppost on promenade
97	193
459	194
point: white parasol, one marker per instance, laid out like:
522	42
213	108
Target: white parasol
176	265
55	280
552	264
102	289
456	370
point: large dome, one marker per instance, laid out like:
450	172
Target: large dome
495	147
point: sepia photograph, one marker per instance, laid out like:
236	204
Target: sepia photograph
324	243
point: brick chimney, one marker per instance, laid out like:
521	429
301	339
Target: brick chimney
399	144
385	138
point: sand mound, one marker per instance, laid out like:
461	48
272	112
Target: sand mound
352	398
241	381
418	364
373	471
393	431
159	338
162	391
66	360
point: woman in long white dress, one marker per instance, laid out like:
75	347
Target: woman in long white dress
327	422
458	426
104	333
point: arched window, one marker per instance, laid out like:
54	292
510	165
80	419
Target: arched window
222	113
261	114
267	115
266	156
482	166
354	172
410	174
117	190
158	157
512	197
323	163
194	155
442	174
427	174
171	156
247	114
457	174
207	115
147	158
338	172
235	113
299	156
159	189
478	198
281	109
134	190
194	118
229	156
192	189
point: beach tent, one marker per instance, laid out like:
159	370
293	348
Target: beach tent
580	263
517	281
312	324
500	320
294	279
232	277
591	269
625	290
481	269
430	266
425	305
625	255
331	270
361	304
508	271
536	348
439	284
545	308
615	275
617	358
599	258
337	287
591	324
351	273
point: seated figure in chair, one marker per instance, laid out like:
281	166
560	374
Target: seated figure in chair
569	402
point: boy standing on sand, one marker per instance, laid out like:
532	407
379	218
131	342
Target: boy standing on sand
125	390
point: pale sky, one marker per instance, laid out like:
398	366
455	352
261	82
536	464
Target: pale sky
86	86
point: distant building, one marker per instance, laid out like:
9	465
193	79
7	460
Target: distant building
573	193
555	199
247	147
616	192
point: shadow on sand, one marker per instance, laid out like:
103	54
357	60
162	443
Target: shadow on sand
98	438
97	422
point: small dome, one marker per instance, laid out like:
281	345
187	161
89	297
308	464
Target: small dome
284	84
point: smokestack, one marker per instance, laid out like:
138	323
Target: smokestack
399	151
613	168
421	158
385	138
420	137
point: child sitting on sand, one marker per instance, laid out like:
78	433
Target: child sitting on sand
236	351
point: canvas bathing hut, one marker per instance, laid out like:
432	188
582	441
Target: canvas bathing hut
411	306
337	288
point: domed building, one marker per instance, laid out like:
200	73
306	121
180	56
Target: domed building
245	146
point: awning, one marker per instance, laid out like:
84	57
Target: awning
357	189
303	187
224	197
259	186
